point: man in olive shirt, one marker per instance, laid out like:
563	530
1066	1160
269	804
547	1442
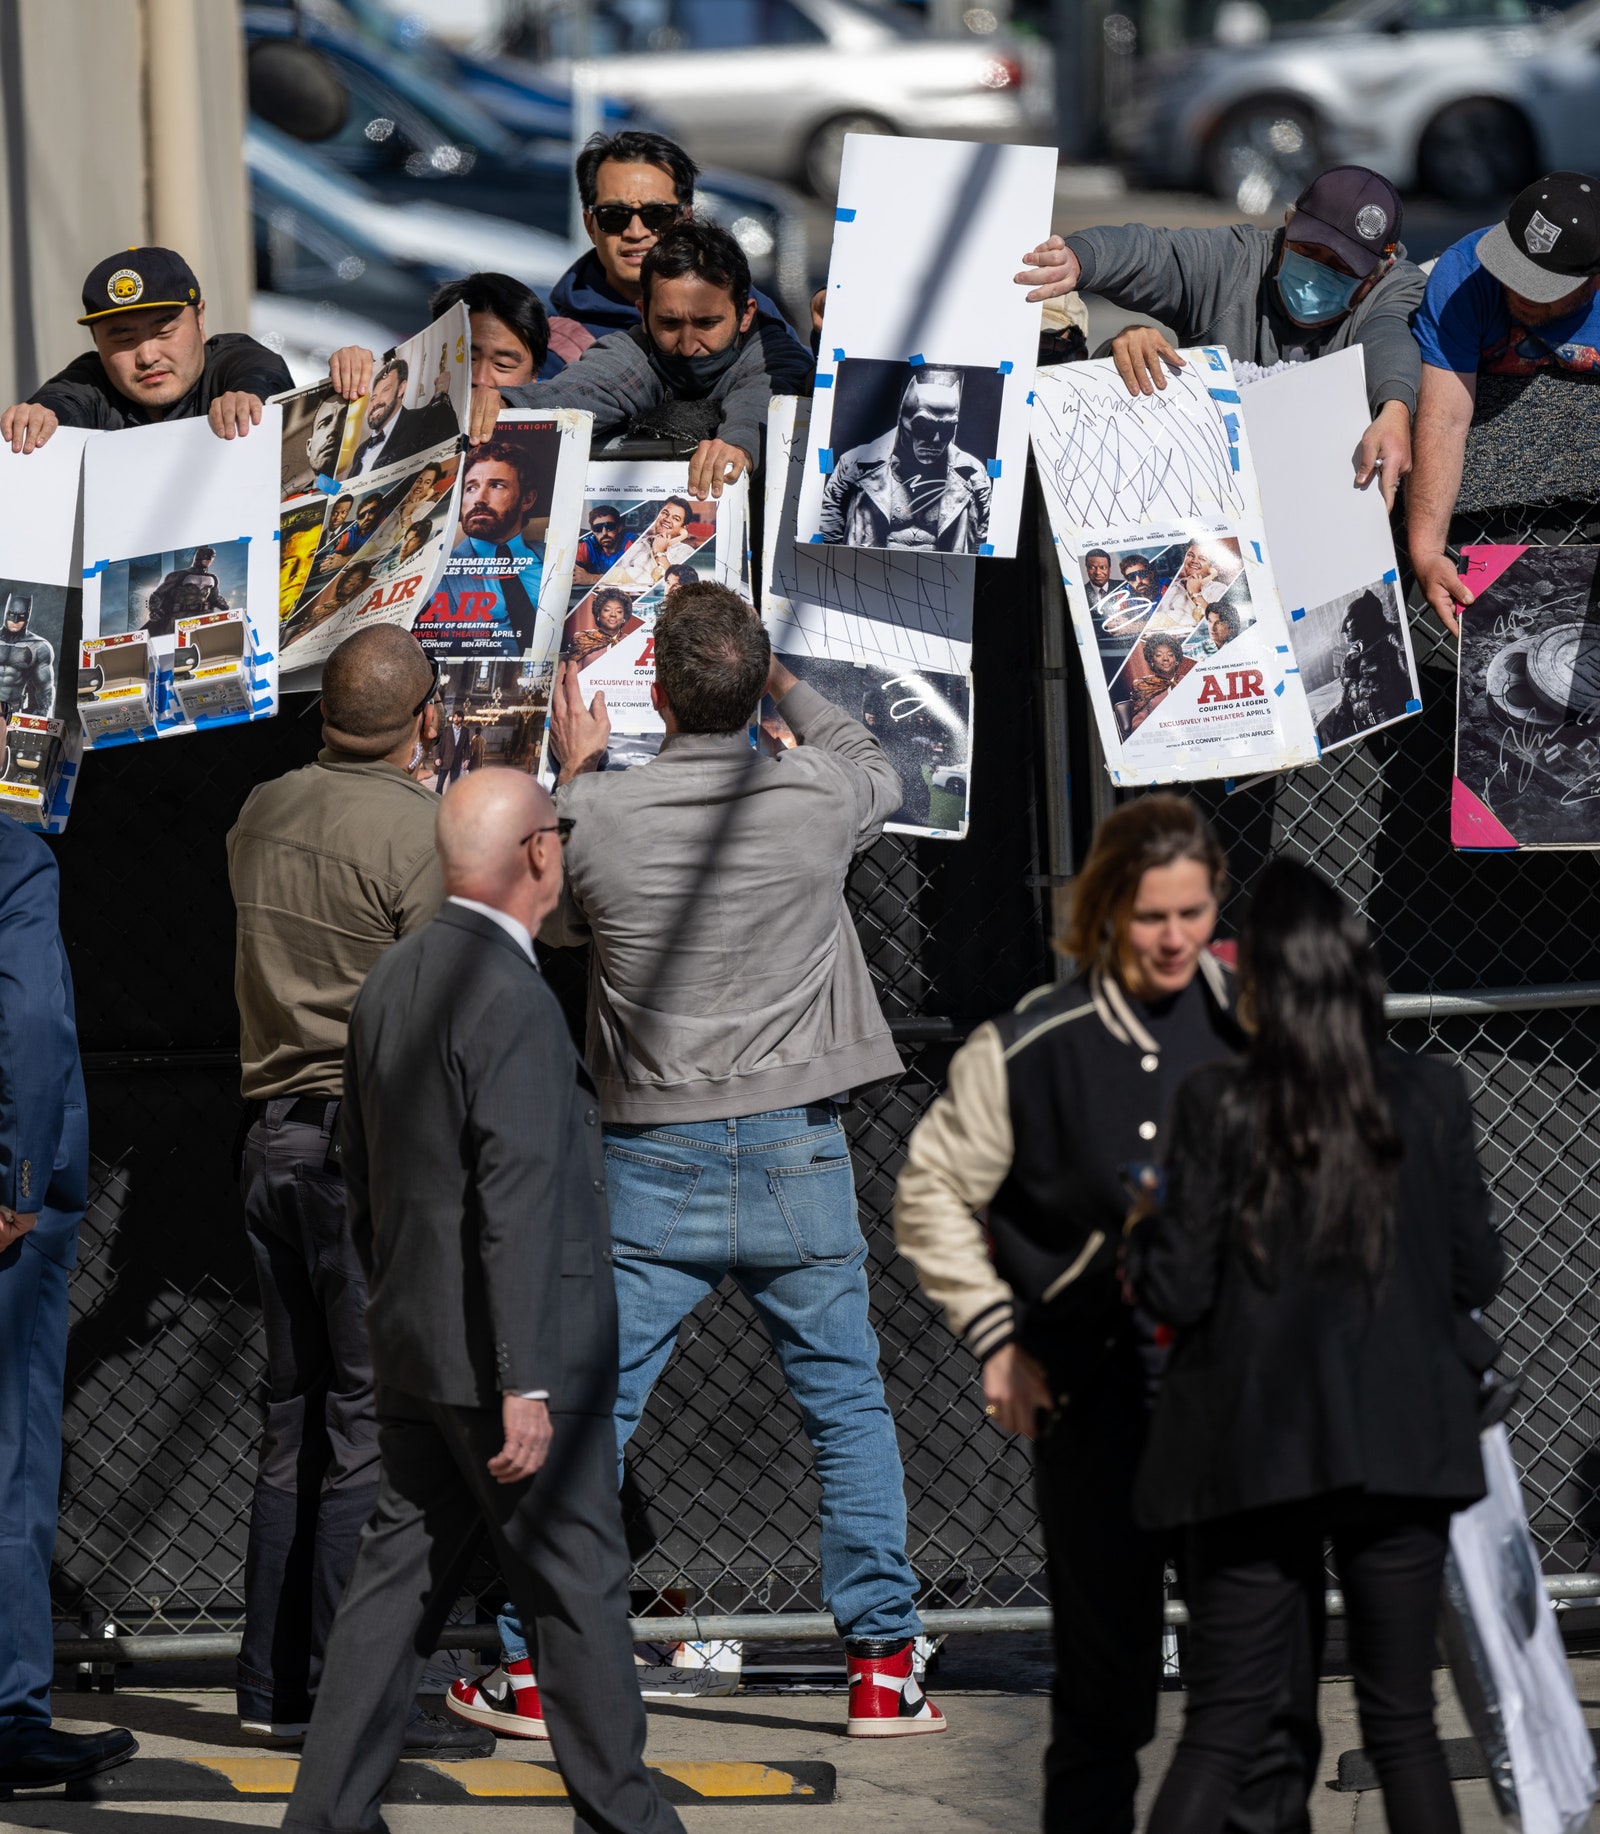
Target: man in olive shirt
329	866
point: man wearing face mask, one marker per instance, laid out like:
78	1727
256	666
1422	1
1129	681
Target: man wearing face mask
329	866
700	343
1336	274
1510	300
913	487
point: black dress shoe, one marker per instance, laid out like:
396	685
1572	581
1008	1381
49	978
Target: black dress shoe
430	1735
49	1757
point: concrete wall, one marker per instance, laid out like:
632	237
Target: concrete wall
120	124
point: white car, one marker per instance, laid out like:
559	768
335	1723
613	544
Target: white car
773	86
1467	99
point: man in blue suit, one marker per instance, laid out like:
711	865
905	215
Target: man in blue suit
44	1176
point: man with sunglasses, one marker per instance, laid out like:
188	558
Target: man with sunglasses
329	865
604	545
1335	274
633	186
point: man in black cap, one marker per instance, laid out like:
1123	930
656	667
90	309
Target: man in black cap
1336	274
1510	300
152	359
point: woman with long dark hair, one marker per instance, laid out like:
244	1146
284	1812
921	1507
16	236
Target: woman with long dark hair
1044	1107
1324	1227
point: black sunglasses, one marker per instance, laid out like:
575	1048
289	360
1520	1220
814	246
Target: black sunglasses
562	825
614	218
433	688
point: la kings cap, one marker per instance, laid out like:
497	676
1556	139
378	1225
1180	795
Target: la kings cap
135	280
1353	211
1550	239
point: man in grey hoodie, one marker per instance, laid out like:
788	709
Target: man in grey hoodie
699	342
1336	274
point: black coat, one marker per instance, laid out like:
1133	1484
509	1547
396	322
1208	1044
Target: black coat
476	1177
1292	1384
83	395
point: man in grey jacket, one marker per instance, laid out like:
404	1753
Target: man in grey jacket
730	1015
1336	274
699	342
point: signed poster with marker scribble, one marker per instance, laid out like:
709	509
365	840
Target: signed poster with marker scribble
1158	533
1528	700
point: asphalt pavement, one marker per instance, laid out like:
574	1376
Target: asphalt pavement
979	1777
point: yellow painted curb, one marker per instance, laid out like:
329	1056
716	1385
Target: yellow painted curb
255	1776
501	1777
723	1777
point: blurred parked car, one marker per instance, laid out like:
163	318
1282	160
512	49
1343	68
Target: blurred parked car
773	86
323	237
407	134
1454	97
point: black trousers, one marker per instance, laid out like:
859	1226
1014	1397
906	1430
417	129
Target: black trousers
1250	1577
558	1539
1105	1578
317	1472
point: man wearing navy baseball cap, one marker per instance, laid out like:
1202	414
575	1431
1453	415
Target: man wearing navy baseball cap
1335	274
151	359
1509	300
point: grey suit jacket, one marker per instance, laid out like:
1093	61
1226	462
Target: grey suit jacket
476	1177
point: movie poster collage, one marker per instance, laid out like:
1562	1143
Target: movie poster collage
641	536
470	547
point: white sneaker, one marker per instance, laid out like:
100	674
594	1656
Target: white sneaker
279	1731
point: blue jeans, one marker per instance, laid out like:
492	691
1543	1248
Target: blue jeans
771	1199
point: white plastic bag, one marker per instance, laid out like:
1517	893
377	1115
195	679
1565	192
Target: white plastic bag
1510	1669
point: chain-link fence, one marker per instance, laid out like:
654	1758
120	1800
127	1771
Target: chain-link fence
165	1375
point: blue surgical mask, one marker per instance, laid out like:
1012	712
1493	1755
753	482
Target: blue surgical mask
1313	293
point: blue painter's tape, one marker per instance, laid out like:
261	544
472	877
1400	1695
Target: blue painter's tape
985	547
816	538
98	567
1294	615
330	487
1214	358
1390	577
1227	786
1224	394
838	354
841	215
1005	368
1030	397
917	360
992	466
244	540
1283	649
1233	454
1278	689
825	459
824	381
1291	671
1318	743
1256	546
1413	705
1231	422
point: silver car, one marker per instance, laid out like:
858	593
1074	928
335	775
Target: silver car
773	86
1466	99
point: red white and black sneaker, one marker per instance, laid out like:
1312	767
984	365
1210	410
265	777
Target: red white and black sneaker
506	1700
885	1700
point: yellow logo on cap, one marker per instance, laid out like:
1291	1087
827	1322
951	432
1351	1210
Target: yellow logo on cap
124	287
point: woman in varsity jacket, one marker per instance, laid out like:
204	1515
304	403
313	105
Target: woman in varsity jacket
1046	1107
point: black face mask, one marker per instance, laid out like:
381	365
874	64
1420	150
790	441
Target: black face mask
693	378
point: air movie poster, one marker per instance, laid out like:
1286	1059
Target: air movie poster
1160	540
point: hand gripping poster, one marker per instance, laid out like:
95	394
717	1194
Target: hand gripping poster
885	636
40	624
368	491
919	427
642	534
1528	700
1159	536
180	577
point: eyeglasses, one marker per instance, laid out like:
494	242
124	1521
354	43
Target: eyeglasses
433	688
562	825
615	218
604	528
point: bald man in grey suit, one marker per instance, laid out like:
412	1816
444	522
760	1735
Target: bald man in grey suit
476	1183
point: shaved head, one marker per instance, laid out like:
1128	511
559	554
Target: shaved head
483	837
370	689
